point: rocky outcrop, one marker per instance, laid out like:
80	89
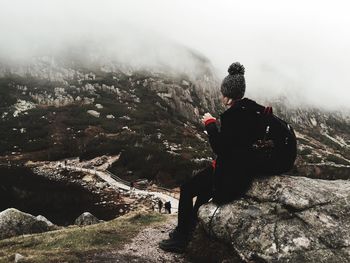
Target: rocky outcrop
86	219
45	220
19	257
189	98
14	222
285	219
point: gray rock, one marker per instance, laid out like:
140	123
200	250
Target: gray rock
14	222
86	218
204	90
44	219
285	219
101	185
19	257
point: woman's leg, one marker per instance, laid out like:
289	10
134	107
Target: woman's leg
200	185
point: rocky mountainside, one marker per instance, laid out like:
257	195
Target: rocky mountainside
53	108
56	107
323	140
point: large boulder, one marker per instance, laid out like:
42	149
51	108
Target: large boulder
85	219
14	222
48	222
285	219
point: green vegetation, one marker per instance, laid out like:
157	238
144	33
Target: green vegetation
327	141
338	125
74	244
155	164
76	117
7	97
34	137
305	151
54	133
337	160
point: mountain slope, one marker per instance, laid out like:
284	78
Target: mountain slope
59	107
323	140
51	111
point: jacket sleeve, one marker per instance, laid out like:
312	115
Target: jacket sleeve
228	139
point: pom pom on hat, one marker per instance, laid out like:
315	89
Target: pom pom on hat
233	85
236	68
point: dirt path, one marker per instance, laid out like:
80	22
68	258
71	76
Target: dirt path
106	176
144	247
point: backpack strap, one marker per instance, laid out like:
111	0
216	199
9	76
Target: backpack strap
268	110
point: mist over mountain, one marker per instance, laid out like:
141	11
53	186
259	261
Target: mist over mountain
87	84
290	50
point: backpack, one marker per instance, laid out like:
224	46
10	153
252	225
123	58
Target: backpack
275	150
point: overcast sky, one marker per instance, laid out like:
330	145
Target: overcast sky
297	48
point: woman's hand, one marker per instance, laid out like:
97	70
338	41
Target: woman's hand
206	117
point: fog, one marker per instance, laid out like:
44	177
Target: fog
299	50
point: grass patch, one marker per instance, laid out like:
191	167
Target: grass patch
73	243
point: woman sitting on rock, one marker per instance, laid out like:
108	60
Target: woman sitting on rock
231	174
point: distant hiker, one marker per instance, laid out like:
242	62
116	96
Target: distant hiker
132	186
160	205
65	162
167	207
231	174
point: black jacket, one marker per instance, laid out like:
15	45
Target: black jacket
233	146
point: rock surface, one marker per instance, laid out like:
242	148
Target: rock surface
19	257
285	219
86	218
14	222
44	219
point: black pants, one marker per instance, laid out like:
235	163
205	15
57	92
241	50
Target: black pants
200	186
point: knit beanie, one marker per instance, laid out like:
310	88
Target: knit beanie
233	85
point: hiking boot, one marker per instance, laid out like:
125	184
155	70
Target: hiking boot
176	232
173	233
178	243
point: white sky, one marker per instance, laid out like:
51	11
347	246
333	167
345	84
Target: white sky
297	48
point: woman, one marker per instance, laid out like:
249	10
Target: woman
231	173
